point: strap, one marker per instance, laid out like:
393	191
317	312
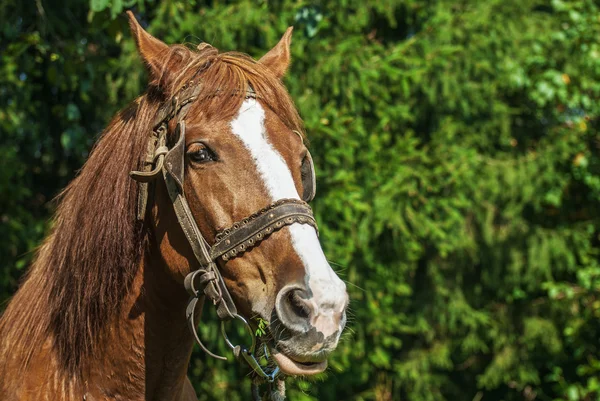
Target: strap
186	95
175	158
155	154
215	290
252	230
190	314
275	391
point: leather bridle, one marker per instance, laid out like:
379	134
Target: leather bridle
207	281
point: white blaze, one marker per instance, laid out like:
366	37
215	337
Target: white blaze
327	288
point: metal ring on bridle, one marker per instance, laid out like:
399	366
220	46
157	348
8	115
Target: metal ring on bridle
248	353
248	328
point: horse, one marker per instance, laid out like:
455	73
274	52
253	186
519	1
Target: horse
201	183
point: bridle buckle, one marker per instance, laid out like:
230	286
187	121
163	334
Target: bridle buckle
248	353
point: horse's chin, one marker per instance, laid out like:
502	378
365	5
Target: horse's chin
292	367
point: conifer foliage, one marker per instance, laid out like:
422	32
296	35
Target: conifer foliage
457	153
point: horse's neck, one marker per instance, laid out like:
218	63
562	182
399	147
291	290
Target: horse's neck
148	354
144	357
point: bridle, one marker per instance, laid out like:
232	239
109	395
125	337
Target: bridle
207	281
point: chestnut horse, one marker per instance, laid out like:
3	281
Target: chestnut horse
101	313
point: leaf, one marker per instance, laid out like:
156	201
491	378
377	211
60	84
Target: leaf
99	5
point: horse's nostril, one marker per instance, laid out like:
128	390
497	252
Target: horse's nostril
298	304
300	310
294	310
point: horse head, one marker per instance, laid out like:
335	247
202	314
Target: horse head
231	150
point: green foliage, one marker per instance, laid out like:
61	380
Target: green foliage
457	154
261	328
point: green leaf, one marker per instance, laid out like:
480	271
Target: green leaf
99	5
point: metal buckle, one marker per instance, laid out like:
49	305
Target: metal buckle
248	353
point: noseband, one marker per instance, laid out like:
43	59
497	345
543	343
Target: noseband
207	281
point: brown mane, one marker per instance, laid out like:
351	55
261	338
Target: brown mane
85	267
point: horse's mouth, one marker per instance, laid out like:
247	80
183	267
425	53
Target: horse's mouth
290	366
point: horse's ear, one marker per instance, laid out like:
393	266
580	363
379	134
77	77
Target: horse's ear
278	58
152	50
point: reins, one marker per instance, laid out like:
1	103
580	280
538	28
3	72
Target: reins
207	281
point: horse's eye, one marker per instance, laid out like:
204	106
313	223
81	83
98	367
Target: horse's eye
199	153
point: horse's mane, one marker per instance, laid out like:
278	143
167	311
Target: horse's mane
86	266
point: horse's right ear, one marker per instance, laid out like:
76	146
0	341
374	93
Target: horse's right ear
152	50
278	58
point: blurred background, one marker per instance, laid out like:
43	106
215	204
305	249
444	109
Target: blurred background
457	149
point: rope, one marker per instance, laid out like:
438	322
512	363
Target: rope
275	392
278	394
255	392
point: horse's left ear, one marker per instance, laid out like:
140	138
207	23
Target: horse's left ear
278	58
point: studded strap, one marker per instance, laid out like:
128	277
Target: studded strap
252	230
